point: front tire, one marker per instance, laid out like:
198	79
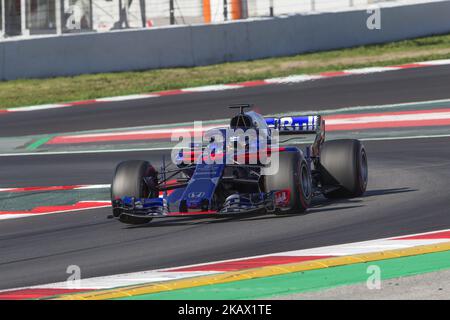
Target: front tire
128	181
343	165
293	175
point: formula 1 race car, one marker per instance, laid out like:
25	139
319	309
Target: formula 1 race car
219	178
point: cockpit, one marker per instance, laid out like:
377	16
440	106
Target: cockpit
248	120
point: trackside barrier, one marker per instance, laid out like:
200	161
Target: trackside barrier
176	46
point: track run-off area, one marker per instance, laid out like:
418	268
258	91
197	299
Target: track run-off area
57	164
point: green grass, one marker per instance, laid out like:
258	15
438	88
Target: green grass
63	89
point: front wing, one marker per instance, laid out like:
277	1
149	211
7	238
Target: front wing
235	204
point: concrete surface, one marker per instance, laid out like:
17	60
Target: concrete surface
427	286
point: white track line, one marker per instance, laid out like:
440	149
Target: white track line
101	204
372	70
141	132
62	188
38	107
294	79
218	87
390	118
126	98
360	108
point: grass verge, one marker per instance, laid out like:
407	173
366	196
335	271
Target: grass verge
63	89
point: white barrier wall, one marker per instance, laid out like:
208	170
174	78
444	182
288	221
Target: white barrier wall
208	44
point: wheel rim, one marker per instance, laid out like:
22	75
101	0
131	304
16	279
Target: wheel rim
306	182
363	170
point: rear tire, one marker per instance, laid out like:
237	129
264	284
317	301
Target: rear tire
293	175
128	181
343	164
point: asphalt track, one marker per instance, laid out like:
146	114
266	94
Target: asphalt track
409	85
407	192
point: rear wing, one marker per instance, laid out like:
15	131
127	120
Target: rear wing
297	124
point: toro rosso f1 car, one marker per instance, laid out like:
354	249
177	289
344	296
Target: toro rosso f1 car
242	183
